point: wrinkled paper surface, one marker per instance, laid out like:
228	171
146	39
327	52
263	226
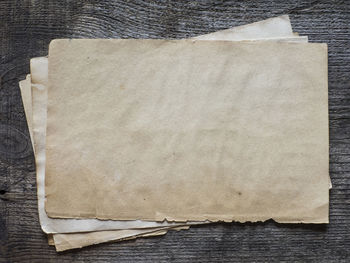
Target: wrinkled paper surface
75	240
39	72
152	128
244	32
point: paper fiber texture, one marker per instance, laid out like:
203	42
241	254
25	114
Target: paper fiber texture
106	232
82	225
74	240
39	71
77	240
187	130
49	225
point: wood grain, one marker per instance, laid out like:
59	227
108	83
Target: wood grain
26	28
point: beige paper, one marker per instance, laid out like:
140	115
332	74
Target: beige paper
39	71
285	39
50	240
78	240
73	240
39	68
192	130
67	237
298	39
27	105
269	28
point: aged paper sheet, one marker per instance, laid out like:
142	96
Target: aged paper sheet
39	68
27	105
79	240
269	28
264	154
68	237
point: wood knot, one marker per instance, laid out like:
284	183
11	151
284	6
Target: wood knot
14	144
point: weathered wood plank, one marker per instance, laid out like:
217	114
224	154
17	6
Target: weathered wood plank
26	28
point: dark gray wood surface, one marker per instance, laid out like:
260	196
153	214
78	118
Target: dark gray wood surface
26	28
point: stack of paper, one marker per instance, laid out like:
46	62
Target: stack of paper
133	138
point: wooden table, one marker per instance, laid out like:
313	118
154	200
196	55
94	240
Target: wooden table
26	28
